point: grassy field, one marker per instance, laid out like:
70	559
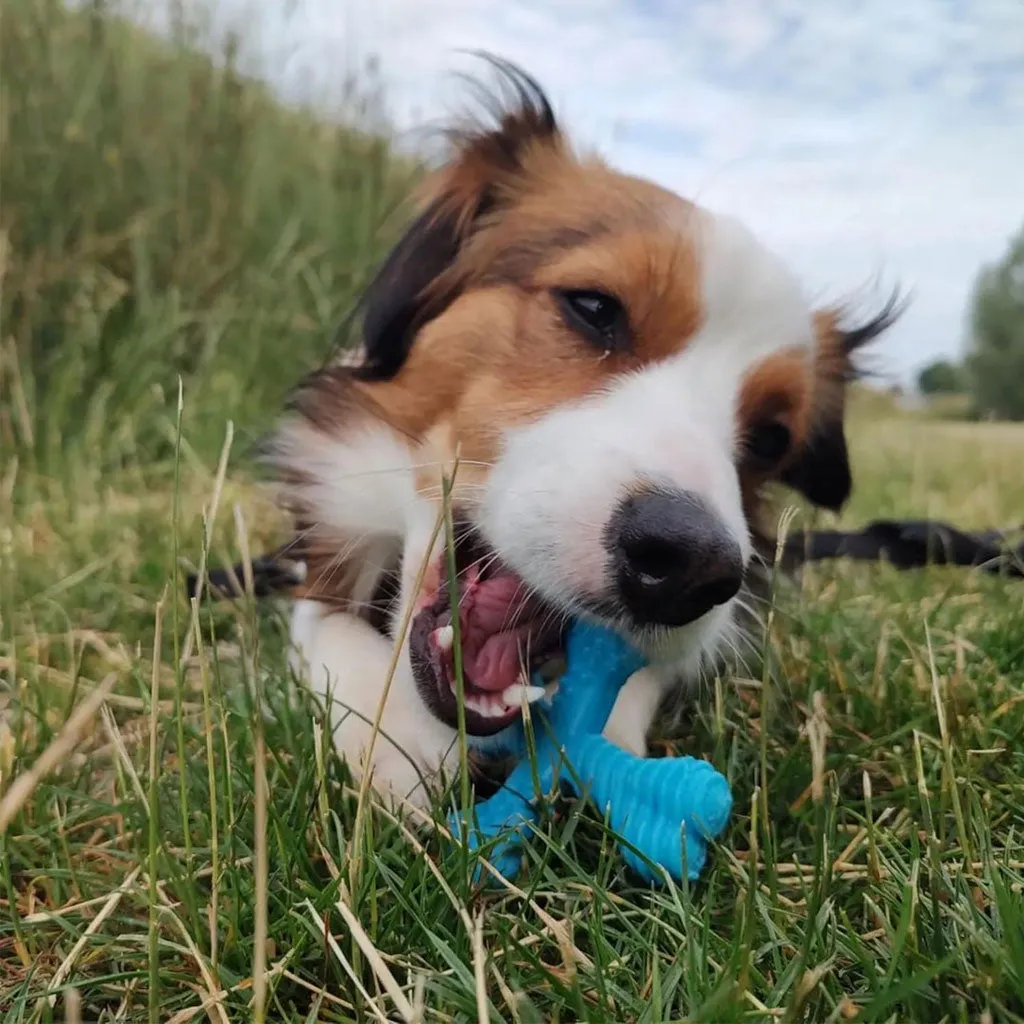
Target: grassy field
197	854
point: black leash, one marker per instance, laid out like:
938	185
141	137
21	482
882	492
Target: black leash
909	544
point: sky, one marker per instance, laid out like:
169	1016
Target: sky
871	143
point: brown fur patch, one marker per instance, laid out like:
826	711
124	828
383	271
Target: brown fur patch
464	337
785	388
780	388
348	575
501	352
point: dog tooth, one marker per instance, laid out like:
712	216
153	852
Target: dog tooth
486	708
513	695
444	637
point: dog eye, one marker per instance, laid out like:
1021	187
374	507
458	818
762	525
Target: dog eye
768	443
598	317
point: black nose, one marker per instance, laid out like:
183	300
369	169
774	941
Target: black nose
672	557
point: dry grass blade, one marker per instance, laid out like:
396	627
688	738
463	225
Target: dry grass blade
401	633
211	998
817	738
260	930
333	946
68	681
117	743
66	965
62	747
214	995
480	970
376	961
210	522
153	814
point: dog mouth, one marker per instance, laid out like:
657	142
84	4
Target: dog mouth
509	640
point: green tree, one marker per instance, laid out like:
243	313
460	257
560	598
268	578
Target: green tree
996	360
941	378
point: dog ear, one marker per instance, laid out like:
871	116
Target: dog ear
397	301
421	276
821	469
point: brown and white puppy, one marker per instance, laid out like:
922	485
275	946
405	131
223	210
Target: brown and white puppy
618	372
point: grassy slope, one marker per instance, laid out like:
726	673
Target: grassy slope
905	905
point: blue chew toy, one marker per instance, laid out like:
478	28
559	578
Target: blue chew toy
662	807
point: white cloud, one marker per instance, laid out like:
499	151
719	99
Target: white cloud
856	139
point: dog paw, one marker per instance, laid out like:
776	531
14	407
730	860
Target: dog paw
398	772
400	783
627	735
634	712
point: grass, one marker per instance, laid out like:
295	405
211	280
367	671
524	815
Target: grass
196	852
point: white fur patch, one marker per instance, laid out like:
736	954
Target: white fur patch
345	662
363	485
559	479
634	710
362	481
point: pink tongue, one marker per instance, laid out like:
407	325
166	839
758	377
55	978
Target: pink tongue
492	604
496	665
491	637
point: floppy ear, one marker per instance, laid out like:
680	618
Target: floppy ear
421	277
397	302
821	469
821	472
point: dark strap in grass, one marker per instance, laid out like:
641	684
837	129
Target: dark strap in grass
909	544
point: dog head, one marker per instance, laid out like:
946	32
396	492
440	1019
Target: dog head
618	374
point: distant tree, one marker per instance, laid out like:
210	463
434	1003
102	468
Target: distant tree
941	378
995	362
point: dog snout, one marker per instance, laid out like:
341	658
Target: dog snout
673	558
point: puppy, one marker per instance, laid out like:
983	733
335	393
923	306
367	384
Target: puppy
600	379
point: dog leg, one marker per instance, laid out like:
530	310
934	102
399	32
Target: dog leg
634	711
345	662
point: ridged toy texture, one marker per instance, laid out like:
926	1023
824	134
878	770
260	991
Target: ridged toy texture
664	810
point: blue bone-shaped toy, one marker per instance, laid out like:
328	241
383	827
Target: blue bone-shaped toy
653	804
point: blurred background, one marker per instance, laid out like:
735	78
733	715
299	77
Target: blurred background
199	191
